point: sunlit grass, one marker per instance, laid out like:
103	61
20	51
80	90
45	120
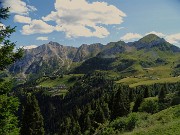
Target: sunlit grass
133	82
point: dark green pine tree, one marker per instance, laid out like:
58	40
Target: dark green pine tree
32	120
99	115
121	104
69	127
8	103
76	113
146	92
7	53
106	110
64	127
76	130
161	95
84	120
8	108
137	103
178	94
131	95
86	123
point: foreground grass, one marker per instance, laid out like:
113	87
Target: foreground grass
165	122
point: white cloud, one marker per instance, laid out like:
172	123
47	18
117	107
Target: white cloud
80	18
2	26
22	19
42	38
31	8
119	28
37	26
18	7
173	39
131	36
29	47
156	33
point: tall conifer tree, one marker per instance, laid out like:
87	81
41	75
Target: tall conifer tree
8	103
32	120
137	103
121	104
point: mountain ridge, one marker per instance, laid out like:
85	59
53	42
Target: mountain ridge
53	56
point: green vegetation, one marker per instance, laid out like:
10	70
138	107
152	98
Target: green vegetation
8	107
67	80
121	90
32	120
149	106
165	122
134	82
8	102
149	38
96	104
138	67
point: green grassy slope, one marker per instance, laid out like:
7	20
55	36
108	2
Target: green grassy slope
137	68
149	67
133	82
165	122
65	80
143	62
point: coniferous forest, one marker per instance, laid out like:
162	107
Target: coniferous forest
88	99
96	105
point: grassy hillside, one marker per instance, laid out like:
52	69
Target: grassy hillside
137	67
95	98
153	62
133	82
165	122
149	67
67	80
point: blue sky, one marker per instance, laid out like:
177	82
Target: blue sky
76	22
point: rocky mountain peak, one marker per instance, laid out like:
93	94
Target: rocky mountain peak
53	43
150	38
150	41
53	54
87	51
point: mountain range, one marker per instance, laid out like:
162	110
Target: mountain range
134	57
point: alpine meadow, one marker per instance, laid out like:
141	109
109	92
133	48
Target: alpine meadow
89	67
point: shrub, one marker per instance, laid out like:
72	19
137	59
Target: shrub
122	124
107	131
175	101
131	121
119	124
149	106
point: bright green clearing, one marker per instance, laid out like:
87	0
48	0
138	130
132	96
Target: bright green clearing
48	82
133	82
166	122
